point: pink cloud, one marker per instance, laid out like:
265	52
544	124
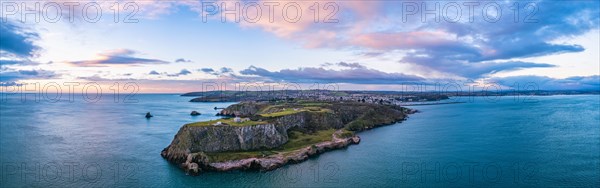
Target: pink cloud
402	40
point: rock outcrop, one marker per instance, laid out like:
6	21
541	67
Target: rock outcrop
195	113
191	144
242	109
191	139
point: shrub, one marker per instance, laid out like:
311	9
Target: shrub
356	125
347	134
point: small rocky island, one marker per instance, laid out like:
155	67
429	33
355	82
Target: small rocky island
269	134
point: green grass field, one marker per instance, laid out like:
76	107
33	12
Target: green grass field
228	122
228	156
299	140
290	111
318	104
296	141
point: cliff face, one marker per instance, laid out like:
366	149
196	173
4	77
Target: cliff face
311	122
192	139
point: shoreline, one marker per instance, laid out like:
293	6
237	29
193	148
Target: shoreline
433	103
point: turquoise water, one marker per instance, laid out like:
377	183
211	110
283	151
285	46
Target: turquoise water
548	141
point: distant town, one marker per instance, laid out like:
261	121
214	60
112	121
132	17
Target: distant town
374	97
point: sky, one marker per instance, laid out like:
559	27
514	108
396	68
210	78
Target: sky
182	46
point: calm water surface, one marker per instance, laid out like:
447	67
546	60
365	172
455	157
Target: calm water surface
550	141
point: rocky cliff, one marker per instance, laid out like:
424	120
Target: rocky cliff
191	144
193	139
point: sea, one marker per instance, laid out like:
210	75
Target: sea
501	141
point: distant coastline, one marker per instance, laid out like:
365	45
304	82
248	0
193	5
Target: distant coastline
400	96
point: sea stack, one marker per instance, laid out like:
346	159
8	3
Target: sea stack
148	115
195	113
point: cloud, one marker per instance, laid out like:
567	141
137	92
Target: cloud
11	75
29	72
17	41
185	72
118	57
351	65
465	49
180	73
474	70
484	69
547	83
478	47
181	60
223	71
7	84
356	75
17	48
444	52
206	70
226	70
16	62
17	45
402	40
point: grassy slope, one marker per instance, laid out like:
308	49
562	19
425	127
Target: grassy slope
297	140
290	111
228	122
